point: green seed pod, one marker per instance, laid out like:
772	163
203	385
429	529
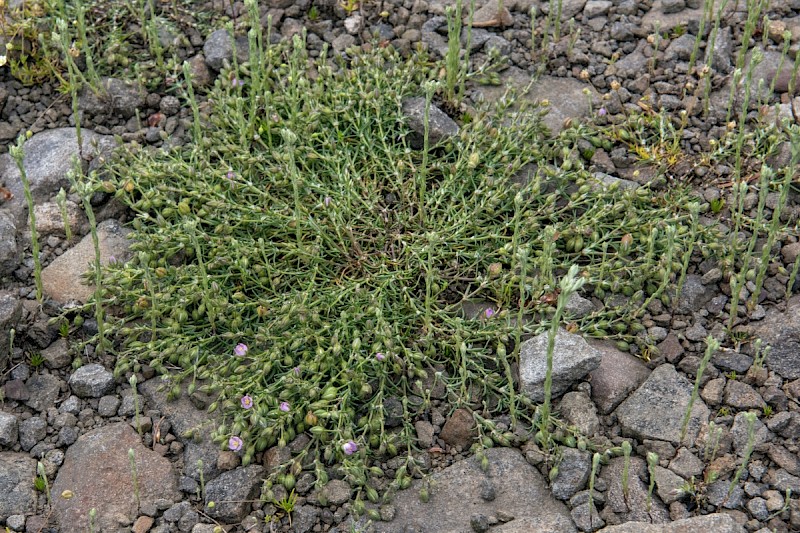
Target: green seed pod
358	507
623	346
569	441
288	482
553	474
372	494
405	482
374	514
424	496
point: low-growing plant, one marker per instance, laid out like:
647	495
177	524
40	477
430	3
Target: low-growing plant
310	264
750	418
652	462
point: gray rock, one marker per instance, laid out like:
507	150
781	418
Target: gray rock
50	221
424	433
632	507
569	8
57	354
573	473
91	381
521	492
108	405
61	279
668	485
48	157
758	508
343	42
578	410
218	49
686	464
337	492
122	97
673	6
680	48
781	330
16	522
618	375
656	410
578	306
106	484
564	96
431	37
232	492
718	523
768	71
17	495
10	250
727	360
781	480
43	390
573	358
718	494
596	8
665	21
741	434
742	396
10	314
9	430
784	459
440	126
723	48
693	296
31	431
304	518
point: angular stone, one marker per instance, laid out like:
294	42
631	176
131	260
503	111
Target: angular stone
190	424
122	97
57	354
218	49
573	473
232	492
17	495
686	464
579	411
632	507
10	249
520	492
727	360
337	491
31	431
43	390
693	296
460	429
91	381
564	96
741	434
61	279
9	430
618	375
668	485
656	410
98	472
780	329
48	157
716	523
742	396
440	126
50	220
573	358
10	314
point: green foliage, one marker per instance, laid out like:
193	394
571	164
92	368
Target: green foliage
36	360
303	225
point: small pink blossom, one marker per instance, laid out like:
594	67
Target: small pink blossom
489	313
247	402
349	447
327	201
284	407
379	356
235	444
240	349
296	371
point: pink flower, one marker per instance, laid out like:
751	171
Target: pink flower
489	313
284	407
327	201
349	447
247	402
240	350
235	444
296	371
379	356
